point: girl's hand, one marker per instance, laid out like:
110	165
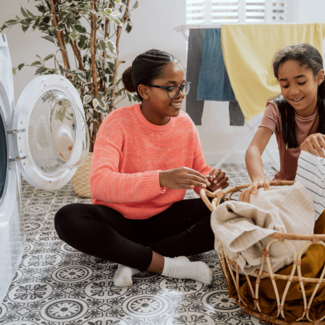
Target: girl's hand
252	189
314	144
182	178
218	179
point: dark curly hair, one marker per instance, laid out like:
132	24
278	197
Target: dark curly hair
145	68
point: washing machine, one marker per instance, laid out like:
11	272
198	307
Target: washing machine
44	138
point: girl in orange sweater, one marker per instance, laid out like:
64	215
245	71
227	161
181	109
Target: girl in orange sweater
146	156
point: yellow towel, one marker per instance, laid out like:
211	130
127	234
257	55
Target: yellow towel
248	51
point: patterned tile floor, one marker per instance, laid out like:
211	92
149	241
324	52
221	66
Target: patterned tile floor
56	284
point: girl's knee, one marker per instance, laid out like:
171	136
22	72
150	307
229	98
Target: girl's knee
63	217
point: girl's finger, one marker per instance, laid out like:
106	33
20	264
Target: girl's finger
212	172
196	178
254	187
226	185
317	147
266	184
222	182
217	173
220	177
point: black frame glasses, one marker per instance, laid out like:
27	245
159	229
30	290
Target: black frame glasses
170	88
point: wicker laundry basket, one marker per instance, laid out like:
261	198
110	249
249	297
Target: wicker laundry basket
80	180
236	280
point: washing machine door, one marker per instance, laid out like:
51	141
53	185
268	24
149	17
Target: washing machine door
51	137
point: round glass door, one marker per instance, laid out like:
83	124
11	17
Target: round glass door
52	137
57	133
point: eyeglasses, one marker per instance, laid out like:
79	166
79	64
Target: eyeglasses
173	91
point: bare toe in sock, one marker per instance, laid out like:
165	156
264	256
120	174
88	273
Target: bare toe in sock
123	276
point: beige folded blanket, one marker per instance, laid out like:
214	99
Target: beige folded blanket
240	226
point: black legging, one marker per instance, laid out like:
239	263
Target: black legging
183	229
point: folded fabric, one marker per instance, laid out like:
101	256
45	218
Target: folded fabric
248	51
214	82
194	107
312	264
239	226
311	173
236	116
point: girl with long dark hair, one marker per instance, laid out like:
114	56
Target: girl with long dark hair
297	117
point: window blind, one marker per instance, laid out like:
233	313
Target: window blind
236	11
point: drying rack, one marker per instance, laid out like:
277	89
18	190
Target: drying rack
252	128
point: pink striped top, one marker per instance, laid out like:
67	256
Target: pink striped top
129	153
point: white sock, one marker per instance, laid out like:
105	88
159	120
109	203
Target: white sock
182	268
123	276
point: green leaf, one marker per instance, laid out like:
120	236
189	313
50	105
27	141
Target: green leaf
14	71
108	11
41	8
129	97
136	5
117	22
87	98
82	41
101	103
69	22
40	70
80	29
102	45
81	76
112	47
30	14
74	35
23	12
21	66
128	27
50	56
36	63
24	27
57	115
36	24
66	38
61	70
49	38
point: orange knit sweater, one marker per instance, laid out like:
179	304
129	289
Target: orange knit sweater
129	153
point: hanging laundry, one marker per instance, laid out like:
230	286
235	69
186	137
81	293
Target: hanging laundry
214	82
236	115
248	51
194	107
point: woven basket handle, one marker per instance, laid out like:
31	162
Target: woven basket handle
219	194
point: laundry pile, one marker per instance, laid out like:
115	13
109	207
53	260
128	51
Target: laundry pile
239	226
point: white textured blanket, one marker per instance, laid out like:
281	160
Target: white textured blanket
240	226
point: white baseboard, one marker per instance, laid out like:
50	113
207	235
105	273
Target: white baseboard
236	158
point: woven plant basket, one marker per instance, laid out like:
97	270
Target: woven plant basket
80	180
234	277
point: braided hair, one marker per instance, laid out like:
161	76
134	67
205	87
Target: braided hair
145	68
308	56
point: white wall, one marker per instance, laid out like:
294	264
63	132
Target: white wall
153	23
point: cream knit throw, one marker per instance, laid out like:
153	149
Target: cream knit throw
240	226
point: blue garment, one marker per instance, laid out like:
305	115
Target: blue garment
194	107
214	82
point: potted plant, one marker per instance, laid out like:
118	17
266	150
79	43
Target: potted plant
92	29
